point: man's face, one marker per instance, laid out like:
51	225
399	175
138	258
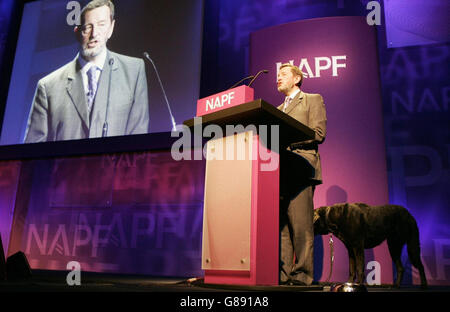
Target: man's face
286	80
95	32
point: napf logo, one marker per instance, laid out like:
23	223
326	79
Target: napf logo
321	65
225	99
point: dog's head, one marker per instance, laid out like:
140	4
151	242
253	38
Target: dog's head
320	221
328	219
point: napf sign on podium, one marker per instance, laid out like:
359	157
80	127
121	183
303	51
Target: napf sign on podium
225	99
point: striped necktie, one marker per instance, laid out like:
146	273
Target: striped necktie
92	86
287	101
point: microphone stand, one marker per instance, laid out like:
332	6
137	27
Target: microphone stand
265	71
252	77
240	81
174	125
105	124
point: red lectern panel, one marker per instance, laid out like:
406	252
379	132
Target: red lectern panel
240	225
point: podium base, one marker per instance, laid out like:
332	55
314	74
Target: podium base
230	277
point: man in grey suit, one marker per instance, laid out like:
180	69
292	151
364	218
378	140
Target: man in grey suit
99	93
300	172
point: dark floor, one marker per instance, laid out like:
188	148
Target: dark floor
48	290
55	281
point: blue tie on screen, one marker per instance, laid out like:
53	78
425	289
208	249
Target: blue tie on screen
92	85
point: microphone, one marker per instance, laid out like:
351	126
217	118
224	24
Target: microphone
240	81
105	124
265	71
174	124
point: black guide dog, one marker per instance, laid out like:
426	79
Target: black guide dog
360	227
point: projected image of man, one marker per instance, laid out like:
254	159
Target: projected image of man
99	93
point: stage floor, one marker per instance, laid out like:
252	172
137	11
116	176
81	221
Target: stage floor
101	292
55	281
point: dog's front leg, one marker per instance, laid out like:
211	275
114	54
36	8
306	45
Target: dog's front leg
359	255
351	264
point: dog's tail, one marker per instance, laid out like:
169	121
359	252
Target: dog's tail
413	247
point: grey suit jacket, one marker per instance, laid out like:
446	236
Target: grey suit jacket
309	109
59	110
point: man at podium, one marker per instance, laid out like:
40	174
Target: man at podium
300	172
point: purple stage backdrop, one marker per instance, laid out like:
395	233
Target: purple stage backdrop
135	213
338	56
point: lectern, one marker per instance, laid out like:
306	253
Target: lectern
241	202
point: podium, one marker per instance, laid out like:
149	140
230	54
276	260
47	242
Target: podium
241	202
